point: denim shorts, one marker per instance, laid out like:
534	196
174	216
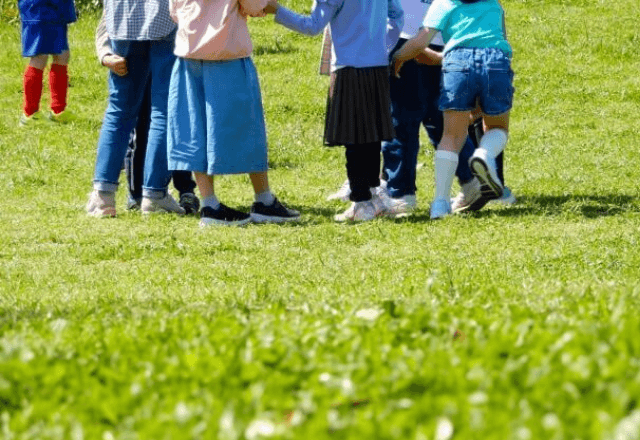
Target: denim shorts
473	76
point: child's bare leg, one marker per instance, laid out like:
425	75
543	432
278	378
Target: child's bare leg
39	61
205	186
59	81
446	157
260	182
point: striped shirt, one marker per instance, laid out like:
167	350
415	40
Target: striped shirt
138	19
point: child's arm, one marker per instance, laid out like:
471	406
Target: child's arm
429	57
115	63
313	24
253	8
412	48
394	24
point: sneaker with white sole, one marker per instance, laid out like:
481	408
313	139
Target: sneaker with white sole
484	168
30	120
165	204
440	208
507	198
64	117
102	204
469	198
344	191
274	213
399	207
222	216
359	212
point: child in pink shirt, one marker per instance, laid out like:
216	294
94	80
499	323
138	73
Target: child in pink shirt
216	120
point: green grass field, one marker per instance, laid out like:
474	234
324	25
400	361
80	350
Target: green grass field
512	323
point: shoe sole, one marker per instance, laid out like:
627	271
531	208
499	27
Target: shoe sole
216	222
106	214
490	184
260	218
161	211
476	205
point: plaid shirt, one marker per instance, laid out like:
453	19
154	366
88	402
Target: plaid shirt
138	19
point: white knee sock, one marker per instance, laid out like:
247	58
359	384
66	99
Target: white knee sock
494	141
211	201
445	164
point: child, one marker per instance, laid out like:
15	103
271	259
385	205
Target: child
135	157
44	33
358	106
476	69
143	34
216	120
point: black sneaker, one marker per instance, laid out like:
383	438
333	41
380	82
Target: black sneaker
190	203
274	213
223	215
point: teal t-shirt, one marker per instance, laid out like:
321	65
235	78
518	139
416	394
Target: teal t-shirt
478	24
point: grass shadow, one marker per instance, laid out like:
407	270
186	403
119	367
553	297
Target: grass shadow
585	205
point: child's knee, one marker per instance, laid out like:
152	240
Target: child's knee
62	58
39	61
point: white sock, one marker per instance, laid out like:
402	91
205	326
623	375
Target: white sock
211	201
265	197
445	164
494	141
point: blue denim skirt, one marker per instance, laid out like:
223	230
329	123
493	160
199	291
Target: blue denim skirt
215	117
44	38
473	76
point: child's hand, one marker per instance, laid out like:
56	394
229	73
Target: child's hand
429	58
397	65
272	7
116	64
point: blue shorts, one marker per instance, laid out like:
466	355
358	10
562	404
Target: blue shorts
473	76
44	38
215	118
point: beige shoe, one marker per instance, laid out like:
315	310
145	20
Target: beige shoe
359	212
165	204
101	204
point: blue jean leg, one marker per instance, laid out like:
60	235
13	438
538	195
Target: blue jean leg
125	97
156	170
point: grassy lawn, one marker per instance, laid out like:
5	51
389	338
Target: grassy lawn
516	322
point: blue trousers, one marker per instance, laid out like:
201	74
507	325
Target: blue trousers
146	61
414	103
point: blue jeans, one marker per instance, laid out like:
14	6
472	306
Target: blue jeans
475	75
146	61
414	102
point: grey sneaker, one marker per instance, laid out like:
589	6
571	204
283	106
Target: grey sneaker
101	204
165	204
223	215
469	198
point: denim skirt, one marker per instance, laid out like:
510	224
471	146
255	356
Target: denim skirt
473	76
215	117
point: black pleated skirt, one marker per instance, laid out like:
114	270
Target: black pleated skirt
358	107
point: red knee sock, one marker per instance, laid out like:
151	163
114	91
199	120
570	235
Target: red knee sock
32	90
58	85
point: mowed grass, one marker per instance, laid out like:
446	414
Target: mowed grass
513	323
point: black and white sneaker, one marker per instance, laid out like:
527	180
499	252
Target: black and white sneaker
484	168
222	215
274	213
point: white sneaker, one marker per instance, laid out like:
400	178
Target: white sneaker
345	191
165	204
507	198
484	168
359	212
400	207
440	208
469	198
342	193
101	204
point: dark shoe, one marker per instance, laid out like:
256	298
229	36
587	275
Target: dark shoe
274	213
222	215
190	203
133	204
